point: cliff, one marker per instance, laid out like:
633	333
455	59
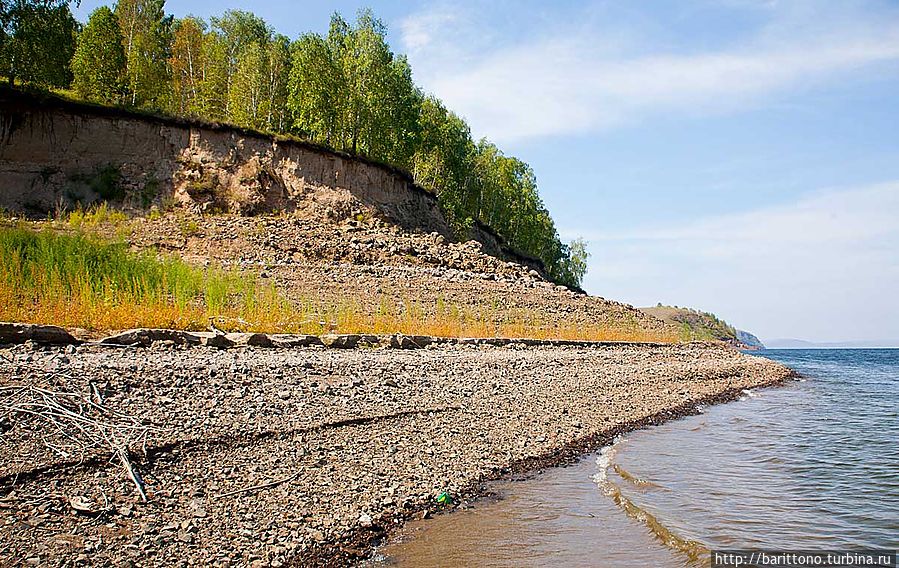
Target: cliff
57	154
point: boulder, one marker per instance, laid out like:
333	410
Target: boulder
294	340
251	339
46	334
146	336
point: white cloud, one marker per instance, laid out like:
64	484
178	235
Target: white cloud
789	270
419	31
571	78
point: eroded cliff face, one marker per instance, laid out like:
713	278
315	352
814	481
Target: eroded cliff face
57	154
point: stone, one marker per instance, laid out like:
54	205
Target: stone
146	336
217	340
340	341
365	520
43	334
250	339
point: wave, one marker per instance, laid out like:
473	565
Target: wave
694	550
631	478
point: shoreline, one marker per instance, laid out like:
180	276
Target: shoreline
370	437
522	470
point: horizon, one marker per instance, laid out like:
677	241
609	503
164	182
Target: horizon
736	157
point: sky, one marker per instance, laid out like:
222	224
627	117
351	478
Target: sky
737	156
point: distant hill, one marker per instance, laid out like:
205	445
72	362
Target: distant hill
695	325
749	340
790	343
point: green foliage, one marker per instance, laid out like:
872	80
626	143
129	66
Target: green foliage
37	40
573	266
98	65
347	90
106	183
146	39
351	92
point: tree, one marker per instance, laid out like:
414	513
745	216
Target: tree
444	161
315	90
146	39
576	264
237	31
98	65
247	94
188	65
278	68
350	91
37	40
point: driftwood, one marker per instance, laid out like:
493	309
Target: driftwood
83	421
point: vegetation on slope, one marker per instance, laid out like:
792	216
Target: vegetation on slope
695	325
66	275
346	90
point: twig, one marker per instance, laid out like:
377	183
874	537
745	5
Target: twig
85	423
261	486
132	474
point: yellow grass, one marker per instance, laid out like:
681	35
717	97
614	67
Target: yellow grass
79	281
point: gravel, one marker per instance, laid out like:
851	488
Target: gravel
341	445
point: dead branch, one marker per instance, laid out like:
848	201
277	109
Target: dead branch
87	424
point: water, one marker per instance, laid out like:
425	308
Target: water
812	465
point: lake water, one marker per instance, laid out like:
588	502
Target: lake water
812	465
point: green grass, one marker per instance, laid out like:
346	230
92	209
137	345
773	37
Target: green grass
78	280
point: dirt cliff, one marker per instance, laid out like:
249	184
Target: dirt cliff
56	154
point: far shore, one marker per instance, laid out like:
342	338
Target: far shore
304	455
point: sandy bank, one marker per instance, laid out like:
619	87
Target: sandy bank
359	440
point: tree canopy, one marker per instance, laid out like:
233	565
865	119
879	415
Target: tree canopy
98	65
346	89
37	41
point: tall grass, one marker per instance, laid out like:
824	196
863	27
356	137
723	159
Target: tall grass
77	280
74	279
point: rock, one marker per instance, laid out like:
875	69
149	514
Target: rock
250	339
294	340
147	336
82	504
340	341
44	334
365	520
217	340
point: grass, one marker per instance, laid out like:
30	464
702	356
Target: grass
73	278
76	280
95	217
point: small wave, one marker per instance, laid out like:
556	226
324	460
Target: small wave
604	462
694	550
631	478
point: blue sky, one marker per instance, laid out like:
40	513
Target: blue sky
740	156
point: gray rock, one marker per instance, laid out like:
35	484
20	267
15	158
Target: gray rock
148	336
